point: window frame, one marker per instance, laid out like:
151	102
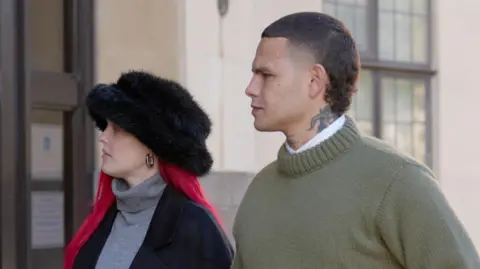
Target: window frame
370	61
377	105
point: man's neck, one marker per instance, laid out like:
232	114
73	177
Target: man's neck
319	122
298	139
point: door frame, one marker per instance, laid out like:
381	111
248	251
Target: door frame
20	91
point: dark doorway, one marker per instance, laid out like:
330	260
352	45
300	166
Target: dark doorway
46	149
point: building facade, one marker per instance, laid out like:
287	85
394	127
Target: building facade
416	91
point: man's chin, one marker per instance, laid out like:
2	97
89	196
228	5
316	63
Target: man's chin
263	127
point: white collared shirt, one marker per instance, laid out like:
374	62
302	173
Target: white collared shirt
320	137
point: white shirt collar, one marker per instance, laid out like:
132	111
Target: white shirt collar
320	137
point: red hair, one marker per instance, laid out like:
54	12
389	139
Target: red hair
180	179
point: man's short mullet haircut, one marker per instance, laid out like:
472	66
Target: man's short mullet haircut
331	45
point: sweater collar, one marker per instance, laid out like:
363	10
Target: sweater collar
139	197
320	137
298	164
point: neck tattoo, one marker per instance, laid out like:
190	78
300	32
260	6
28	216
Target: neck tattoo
323	119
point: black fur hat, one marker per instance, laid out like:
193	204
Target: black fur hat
161	113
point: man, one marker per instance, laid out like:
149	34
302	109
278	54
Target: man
334	198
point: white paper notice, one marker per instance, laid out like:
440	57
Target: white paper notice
47	151
47	219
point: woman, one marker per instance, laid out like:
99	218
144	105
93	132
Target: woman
150	211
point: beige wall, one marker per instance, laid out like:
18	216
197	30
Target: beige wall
218	57
133	36
188	41
226	46
457	130
154	37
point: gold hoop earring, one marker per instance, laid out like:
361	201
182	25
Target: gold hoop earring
149	160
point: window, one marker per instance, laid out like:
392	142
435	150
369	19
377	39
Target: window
353	13
393	98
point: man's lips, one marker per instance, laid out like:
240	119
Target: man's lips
255	110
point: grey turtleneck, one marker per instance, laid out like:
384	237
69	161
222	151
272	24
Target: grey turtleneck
136	206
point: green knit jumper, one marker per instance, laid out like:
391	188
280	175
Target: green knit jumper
351	202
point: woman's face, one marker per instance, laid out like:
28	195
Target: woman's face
123	156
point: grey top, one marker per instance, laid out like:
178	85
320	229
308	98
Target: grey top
136	206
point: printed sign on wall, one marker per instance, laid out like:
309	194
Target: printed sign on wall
47	151
47	219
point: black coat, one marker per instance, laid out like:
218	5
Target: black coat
182	235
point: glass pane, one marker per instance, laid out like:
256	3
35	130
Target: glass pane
404	138
45	34
419	144
403	38
362	3
386	36
389	131
420	7
329	8
404	100
419	102
346	1
365	126
361	29
385	4
47	196
388	100
403	5
346	14
365	96
419	38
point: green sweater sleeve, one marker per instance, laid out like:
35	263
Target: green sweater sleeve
418	225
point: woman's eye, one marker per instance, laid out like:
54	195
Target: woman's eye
115	128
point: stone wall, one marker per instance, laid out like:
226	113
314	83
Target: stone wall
225	191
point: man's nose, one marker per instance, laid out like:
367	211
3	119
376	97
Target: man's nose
253	88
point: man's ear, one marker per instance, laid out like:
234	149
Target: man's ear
355	86
319	81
